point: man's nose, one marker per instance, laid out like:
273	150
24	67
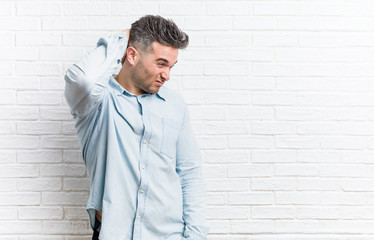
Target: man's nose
165	74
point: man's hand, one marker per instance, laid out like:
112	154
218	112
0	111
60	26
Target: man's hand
127	31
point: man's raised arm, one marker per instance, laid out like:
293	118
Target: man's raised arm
85	80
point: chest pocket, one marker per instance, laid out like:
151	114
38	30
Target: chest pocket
170	134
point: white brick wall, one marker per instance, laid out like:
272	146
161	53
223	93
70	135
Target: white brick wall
281	100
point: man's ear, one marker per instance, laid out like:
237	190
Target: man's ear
132	55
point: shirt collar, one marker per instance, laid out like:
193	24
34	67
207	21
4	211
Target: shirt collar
121	90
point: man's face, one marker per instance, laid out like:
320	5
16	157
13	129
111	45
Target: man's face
153	68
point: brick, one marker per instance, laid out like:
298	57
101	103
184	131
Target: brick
19	142
42	69
76	184
273	184
347	142
8	213
138	9
318	184
250	142
6	9
75	213
39	184
214	171
270	98
42	127
297	142
63	142
6	38
54	113
80	39
40	213
297	198
19	199
38	39
202	55
293	113
250	227
255	54
7	156
252	198
228	212
65	227
227	69
208	23
19	23
7	128
72	156
260	212
255	23
38	9
24	82
216	199
274	8
277	39
40	98
227	98
39	156
108	23
229	40
212	142
205	83
274	69
303	170
258	83
62	170
65	23
19	170
65	198
19	53
326	9
225	128
273	156
253	170
20	227
223	185
346	170
8	185
273	128
49	54
228	8
226	156
181	8
250	113
86	9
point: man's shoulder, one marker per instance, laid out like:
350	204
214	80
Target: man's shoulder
172	96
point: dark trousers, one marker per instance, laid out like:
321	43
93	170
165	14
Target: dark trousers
96	232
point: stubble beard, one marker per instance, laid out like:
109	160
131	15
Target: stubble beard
140	75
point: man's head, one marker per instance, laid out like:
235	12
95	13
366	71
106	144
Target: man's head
150	29
152	51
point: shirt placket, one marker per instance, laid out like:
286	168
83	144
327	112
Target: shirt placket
143	163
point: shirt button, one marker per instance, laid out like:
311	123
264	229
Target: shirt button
138	217
143	166
142	191
145	142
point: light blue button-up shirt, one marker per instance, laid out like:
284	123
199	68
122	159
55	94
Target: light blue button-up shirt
143	161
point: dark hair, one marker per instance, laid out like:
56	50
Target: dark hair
156	28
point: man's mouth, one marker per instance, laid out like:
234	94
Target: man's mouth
160	83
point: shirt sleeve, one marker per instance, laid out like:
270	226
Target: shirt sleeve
189	169
85	80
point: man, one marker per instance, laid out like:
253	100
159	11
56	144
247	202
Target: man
137	144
